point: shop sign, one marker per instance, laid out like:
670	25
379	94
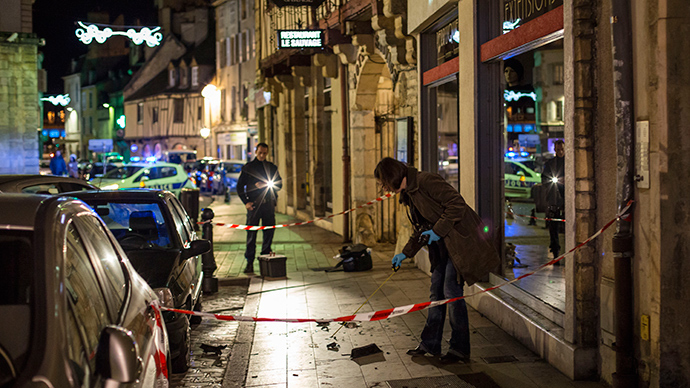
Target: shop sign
233	138
297	3
300	38
517	12
262	98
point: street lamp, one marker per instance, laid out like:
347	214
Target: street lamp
211	95
205	132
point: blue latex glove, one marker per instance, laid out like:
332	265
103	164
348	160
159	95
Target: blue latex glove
432	236
398	259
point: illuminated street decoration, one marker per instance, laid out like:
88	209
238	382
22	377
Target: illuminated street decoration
60	99
87	33
121	121
510	95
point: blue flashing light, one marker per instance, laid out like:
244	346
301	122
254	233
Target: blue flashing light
151	159
135	159
523	153
134	148
510	154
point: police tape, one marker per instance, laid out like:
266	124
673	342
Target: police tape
398	311
256	227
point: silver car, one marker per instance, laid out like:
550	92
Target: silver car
80	315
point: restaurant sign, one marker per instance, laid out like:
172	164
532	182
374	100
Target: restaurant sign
517	12
300	38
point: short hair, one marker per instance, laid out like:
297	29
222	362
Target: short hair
559	141
390	173
262	145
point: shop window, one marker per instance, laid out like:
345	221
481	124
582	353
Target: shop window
447	42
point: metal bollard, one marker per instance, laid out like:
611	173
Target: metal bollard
208	260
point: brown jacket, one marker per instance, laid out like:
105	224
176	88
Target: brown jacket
457	224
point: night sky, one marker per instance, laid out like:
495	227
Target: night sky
55	21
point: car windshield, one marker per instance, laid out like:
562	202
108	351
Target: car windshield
122	172
136	225
16	296
233	167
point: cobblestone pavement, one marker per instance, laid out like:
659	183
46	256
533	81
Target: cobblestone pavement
208	368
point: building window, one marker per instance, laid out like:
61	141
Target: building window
178	114
199	112
195	76
243	6
140	113
231	54
222	52
245	47
233	110
326	91
223	105
171	77
238	45
90	99
228	53
447	42
154	116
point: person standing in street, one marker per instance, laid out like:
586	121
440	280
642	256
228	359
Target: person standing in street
460	250
73	166
57	164
553	180
258	187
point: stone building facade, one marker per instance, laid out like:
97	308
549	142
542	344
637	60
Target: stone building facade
19	98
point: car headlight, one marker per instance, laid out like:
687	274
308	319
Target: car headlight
114	186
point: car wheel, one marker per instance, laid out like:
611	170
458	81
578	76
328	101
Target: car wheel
194	319
181	363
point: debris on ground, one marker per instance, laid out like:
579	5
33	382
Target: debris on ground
217	349
333	346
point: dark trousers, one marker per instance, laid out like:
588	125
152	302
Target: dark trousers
267	215
445	285
554	227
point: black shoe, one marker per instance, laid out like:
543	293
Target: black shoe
418	351
249	268
452	358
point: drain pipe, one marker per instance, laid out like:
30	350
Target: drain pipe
623	254
346	151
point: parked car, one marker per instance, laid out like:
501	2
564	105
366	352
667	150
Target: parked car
179	156
95	170
159	239
228	172
519	179
204	173
76	314
41	184
158	175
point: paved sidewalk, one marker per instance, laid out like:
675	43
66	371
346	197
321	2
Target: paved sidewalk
275	354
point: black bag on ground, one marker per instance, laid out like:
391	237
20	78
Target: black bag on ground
355	258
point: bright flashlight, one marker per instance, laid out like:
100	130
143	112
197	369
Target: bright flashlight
270	184
554	180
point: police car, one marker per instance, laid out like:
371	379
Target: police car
519	178
159	175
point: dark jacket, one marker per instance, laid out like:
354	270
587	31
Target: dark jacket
554	192
461	229
257	171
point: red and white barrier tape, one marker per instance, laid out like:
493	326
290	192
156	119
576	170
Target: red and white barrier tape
398	311
256	227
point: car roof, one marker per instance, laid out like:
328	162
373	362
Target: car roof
8	182
133	194
20	209
154	164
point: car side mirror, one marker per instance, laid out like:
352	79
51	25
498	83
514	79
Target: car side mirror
117	356
197	247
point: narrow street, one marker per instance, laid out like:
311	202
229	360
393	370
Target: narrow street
278	354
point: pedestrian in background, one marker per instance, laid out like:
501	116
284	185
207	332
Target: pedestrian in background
57	164
258	187
73	166
553	180
460	251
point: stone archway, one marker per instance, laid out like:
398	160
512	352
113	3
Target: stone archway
372	137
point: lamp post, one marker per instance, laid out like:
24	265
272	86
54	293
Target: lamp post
205	132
